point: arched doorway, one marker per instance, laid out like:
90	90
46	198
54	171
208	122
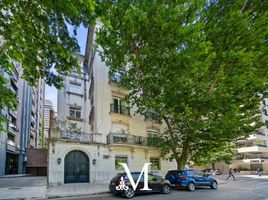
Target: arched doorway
76	167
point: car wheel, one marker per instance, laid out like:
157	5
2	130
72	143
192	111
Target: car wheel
214	185
166	189
191	186
129	193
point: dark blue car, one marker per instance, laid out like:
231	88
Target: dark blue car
190	179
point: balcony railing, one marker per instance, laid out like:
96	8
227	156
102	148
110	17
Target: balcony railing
12	128
76	136
128	139
121	138
251	157
11	145
120	109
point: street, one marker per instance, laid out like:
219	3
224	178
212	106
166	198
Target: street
245	188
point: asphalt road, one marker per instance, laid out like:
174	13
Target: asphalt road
244	188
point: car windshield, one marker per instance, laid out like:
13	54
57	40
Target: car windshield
135	176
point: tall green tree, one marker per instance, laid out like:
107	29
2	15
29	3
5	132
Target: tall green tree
200	65
224	153
34	33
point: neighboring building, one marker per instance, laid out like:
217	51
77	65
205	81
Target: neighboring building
23	127
253	151
48	114
107	131
36	162
73	102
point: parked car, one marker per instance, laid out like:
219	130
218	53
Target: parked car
155	183
210	171
190	179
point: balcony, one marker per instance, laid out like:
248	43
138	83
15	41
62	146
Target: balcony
11	146
250	156
76	136
12	128
128	139
14	113
14	81
123	110
253	149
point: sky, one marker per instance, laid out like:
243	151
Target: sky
51	92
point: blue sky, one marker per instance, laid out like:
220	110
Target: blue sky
51	92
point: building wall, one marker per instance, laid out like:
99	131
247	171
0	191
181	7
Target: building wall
68	97
48	114
99	93
18	136
104	169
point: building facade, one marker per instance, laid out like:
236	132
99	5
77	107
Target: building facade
106	131
48	115
252	152
23	123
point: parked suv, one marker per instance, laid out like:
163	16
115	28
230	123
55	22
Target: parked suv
156	183
190	179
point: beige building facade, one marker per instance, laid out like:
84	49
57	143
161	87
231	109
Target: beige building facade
107	130
252	152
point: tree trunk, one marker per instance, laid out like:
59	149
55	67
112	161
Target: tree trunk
213	166
180	163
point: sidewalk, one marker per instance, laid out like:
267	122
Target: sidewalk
23	193
76	189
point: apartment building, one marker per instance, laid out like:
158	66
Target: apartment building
252	152
23	126
96	130
49	113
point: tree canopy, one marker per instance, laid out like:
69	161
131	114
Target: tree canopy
35	34
200	65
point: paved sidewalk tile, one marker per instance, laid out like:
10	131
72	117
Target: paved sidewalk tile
23	192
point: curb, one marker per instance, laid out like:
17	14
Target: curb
15	176
76	195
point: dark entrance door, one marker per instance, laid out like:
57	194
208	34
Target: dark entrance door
76	167
11	163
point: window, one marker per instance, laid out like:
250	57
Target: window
75	112
153	139
120	159
119	106
155	163
75	89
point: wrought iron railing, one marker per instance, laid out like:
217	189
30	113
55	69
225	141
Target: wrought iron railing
129	139
124	110
76	136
